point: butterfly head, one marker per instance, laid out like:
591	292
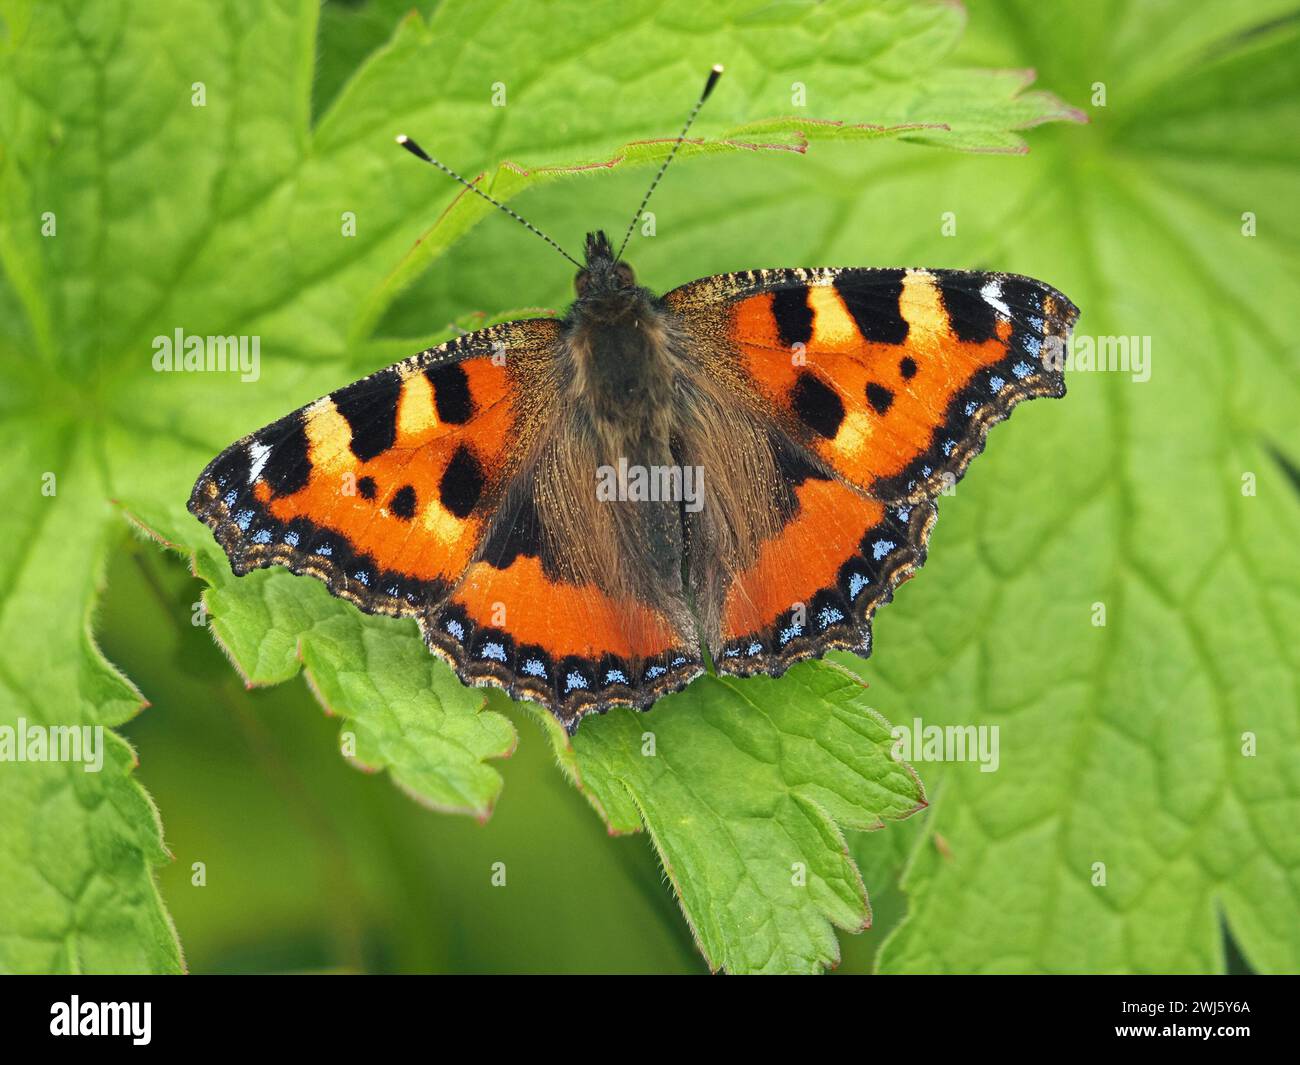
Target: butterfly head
605	274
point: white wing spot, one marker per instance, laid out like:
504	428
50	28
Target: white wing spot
258	453
992	293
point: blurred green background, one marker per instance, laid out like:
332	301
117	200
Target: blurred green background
312	865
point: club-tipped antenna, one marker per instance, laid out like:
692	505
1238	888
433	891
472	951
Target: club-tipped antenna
421	154
714	75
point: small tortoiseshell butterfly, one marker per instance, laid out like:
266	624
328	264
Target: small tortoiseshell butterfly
523	491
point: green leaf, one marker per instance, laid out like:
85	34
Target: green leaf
745	786
403	712
225	218
1125	744
76	845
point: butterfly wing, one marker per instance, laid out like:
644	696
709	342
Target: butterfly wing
884	384
410	493
522	619
382	489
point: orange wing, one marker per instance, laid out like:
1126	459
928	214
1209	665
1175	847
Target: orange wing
516	622
884	384
382	489
404	494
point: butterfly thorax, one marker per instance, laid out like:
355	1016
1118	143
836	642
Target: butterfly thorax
624	353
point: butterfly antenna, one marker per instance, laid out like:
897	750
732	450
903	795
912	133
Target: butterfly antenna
714	75
420	153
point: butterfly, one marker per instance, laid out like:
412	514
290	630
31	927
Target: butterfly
579	510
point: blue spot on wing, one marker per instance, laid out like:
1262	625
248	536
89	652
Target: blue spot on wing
828	616
786	635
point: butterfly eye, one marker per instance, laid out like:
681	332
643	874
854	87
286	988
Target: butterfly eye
582	282
626	276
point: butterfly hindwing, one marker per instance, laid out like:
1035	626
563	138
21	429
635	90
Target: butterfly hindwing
884	384
817	582
521	620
